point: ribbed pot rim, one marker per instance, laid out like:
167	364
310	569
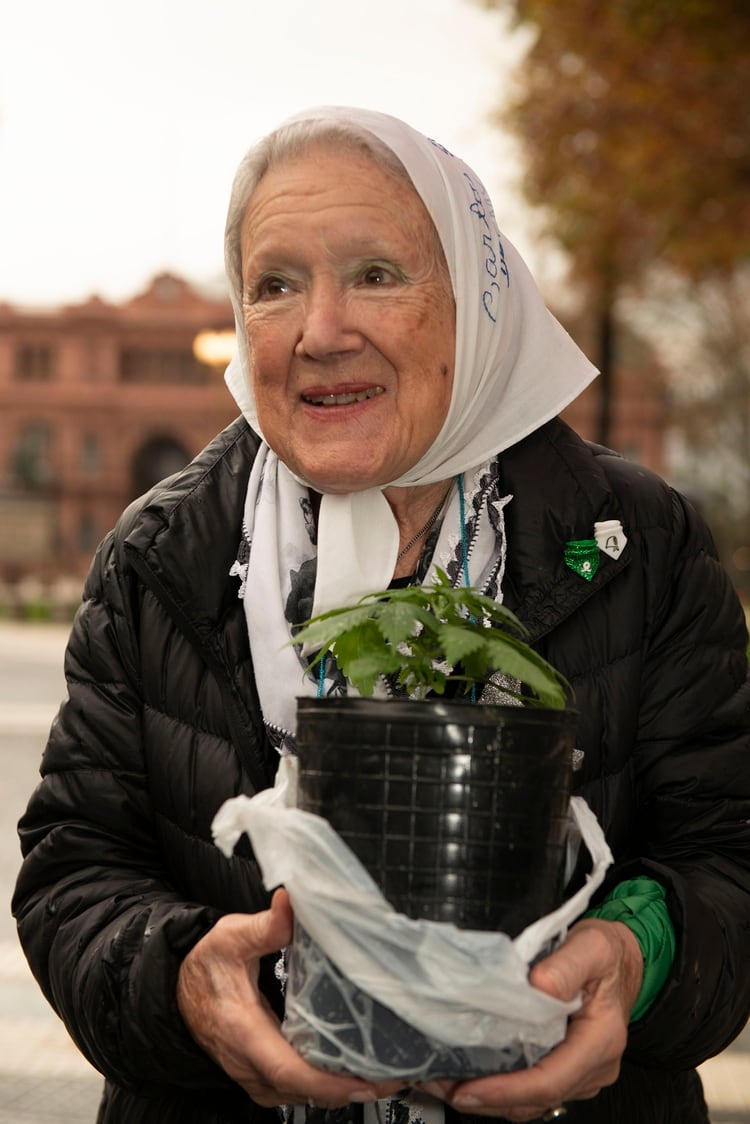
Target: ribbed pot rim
421	711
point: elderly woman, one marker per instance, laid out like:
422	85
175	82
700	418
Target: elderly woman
399	379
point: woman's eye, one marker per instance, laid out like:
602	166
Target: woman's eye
272	286
376	275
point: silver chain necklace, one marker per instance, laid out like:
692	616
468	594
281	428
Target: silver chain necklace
413	542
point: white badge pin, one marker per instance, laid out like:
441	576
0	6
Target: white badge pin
610	537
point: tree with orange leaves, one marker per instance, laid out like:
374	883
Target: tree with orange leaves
634	120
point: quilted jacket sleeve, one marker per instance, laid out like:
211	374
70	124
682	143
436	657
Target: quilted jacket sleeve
693	778
103	930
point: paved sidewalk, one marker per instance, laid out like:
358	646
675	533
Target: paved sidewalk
43	1077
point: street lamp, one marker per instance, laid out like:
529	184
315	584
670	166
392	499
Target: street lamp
215	348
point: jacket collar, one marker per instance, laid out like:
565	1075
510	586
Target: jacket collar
559	491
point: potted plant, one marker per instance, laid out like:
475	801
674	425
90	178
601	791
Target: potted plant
448	775
456	806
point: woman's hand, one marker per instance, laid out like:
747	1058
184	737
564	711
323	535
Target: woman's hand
219	999
603	961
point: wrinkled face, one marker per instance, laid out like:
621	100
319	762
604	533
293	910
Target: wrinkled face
350	319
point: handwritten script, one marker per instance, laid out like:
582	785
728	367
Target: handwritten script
495	265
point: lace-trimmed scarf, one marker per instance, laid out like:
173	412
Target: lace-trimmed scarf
413	1109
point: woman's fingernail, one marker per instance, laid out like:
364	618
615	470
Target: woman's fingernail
466	1102
360	1096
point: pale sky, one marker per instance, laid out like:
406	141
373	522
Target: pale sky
121	124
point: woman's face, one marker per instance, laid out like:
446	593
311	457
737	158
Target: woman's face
350	319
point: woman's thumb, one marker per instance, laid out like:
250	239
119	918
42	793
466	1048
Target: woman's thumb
561	974
280	918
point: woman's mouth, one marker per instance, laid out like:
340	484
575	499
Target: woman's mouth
344	399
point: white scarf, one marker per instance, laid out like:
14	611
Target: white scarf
515	368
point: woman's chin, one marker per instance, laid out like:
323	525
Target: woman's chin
344	486
341	479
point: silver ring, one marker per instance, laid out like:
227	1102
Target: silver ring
555	1113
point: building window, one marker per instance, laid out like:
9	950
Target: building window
91	458
31	466
34	361
95	362
162	365
158	458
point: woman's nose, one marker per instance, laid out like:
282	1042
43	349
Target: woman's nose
327	326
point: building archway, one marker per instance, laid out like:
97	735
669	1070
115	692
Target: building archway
156	459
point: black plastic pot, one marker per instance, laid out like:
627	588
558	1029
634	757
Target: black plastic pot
457	810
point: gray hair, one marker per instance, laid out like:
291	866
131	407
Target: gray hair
292	139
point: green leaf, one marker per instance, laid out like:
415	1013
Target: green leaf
398	620
357	642
457	643
528	666
364	672
321	631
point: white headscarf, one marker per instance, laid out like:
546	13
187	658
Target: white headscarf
515	366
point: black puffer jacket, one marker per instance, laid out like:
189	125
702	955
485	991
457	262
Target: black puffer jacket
121	878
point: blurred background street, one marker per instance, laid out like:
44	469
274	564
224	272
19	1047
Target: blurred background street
43	1078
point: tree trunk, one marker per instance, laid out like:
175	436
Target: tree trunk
606	330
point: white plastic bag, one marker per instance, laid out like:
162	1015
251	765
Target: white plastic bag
375	993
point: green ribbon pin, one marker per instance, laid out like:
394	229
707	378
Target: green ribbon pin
582	557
